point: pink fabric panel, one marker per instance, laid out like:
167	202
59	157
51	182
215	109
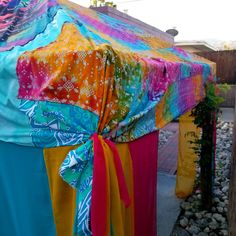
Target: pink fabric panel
144	156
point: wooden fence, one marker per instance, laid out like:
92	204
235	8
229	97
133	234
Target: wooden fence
226	64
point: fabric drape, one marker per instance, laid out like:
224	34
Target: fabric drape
119	219
186	167
144	157
25	203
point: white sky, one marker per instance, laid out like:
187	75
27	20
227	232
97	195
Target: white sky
194	19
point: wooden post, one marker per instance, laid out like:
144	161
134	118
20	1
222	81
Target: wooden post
232	189
207	157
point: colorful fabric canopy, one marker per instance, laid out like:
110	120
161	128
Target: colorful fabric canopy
90	80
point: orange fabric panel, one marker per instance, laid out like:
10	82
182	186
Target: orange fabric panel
115	217
63	196
127	213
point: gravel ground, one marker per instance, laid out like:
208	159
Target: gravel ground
193	221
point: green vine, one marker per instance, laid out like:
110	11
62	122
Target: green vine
210	104
205	116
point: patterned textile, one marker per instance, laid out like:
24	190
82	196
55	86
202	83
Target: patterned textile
14	124
186	168
86	79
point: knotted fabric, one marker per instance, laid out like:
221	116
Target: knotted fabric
73	169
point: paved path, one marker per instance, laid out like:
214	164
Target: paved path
227	114
167	202
168	154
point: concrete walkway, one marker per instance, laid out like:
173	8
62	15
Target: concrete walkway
227	114
167	154
167	204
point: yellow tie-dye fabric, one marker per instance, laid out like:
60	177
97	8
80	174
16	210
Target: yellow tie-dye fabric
186	170
127	213
62	195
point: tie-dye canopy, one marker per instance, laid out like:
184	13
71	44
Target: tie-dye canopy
84	78
112	73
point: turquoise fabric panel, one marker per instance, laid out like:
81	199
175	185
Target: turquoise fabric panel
25	203
14	124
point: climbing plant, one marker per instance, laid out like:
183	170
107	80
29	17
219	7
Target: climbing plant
205	117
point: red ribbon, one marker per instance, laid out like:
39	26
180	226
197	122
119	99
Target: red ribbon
124	194
100	188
